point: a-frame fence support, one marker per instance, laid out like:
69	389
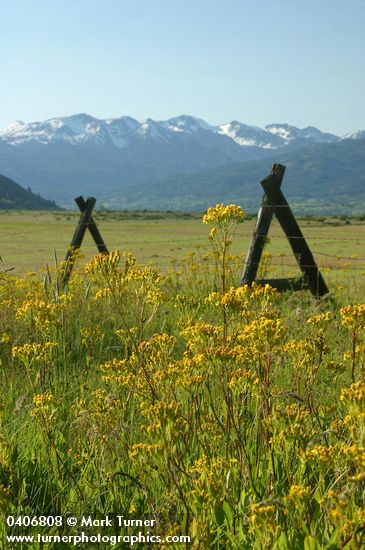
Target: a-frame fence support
86	221
274	202
264	219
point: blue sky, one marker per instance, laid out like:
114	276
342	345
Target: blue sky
256	61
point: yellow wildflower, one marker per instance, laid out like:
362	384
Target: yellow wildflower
221	213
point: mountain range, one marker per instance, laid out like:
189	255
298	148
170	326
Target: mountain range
179	163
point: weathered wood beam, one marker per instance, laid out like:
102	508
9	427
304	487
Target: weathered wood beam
295	237
77	238
92	227
261	230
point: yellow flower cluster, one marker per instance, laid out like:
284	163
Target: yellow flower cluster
297	413
157	347
242	380
353	316
301	348
208	475
44	406
335	504
241	299
103	293
268	332
43	399
289	423
354	396
5	338
320	320
320	454
154	297
91	335
142	274
299	422
27	353
221	213
165	419
103	263
126	335
162	410
43	313
235	299
298	496
262	516
210	430
114	365
145	449
356	454
201	336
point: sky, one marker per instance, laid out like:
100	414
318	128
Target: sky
255	61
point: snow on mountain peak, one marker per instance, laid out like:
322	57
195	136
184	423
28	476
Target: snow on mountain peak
248	136
151	129
290	133
13	128
358	134
123	121
78	123
84	129
187	124
284	131
121	130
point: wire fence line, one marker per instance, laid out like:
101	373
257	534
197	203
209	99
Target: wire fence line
268	262
89	247
315	237
17	247
321	266
238	236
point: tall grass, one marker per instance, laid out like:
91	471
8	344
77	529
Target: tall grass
233	415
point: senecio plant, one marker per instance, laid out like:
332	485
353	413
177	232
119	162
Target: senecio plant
215	410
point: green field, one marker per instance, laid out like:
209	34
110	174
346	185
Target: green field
31	240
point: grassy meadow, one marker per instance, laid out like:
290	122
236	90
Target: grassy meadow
30	240
153	387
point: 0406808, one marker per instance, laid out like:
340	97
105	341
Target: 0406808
26	521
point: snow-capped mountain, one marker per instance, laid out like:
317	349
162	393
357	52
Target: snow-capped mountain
187	124
65	156
358	134
119	132
290	133
251	136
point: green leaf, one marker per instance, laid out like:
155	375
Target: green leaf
282	543
310	543
219	515
228	513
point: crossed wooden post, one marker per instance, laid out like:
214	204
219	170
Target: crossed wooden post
86	221
274	202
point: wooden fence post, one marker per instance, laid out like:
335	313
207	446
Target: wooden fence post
295	237
261	230
86	221
92	227
78	238
274	202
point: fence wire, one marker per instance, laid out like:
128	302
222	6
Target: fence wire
24	242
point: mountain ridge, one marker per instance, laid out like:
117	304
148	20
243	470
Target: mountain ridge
14	197
79	154
81	128
329	177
